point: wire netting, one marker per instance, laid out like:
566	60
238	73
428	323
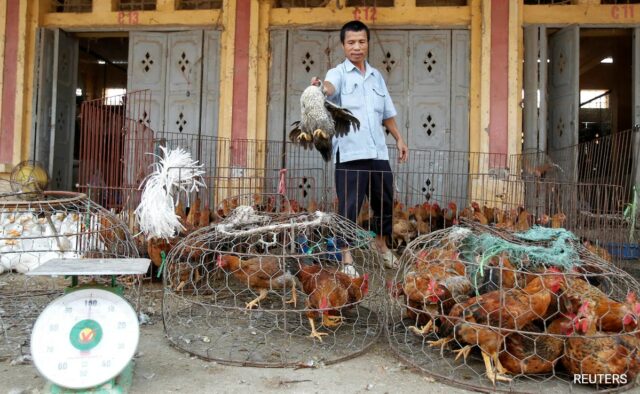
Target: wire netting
271	288
60	225
488	309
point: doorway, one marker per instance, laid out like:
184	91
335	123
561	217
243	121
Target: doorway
583	114
183	82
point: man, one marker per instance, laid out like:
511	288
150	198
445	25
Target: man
361	157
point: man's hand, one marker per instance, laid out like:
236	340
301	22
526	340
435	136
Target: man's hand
403	151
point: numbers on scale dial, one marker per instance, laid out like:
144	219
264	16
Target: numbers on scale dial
90	302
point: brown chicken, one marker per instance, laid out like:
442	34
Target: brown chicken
364	217
478	216
435	217
597	250
227	206
180	212
263	273
512	309
434	286
205	217
506	220
524	220
557	220
591	353
420	226
612	316
535	353
489	213
193	217
312	206
155	247
500	273
402	230
111	232
328	292
449	214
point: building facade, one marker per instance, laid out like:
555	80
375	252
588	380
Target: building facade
465	75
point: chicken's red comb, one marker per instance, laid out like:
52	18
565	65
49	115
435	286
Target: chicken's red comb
432	285
365	277
555	270
584	325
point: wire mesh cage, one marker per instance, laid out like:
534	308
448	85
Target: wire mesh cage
533	311
59	225
271	289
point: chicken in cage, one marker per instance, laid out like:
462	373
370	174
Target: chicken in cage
59	225
274	289
488	309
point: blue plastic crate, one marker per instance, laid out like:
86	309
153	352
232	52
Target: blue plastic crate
623	251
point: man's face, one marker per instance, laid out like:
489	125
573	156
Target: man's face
356	46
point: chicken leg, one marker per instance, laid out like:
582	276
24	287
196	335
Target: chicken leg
294	295
424	330
499	367
262	296
314	332
493	376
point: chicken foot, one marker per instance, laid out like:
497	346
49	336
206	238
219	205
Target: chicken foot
424	330
464	352
440	342
262	296
331	321
491	374
314	332
304	136
320	132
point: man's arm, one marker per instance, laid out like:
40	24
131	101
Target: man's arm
328	89
392	127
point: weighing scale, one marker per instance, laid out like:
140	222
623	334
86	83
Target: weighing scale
85	340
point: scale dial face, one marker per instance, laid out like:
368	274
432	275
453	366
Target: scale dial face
84	338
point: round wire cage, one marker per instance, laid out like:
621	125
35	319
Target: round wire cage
514	312
60	225
271	290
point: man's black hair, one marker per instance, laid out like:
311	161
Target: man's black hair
354	26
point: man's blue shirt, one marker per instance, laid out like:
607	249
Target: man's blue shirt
367	97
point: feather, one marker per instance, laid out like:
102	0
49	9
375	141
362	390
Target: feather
320	121
174	173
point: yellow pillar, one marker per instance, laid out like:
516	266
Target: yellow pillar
515	77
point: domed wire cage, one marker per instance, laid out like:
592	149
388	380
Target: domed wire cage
229	289
59	225
514	312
